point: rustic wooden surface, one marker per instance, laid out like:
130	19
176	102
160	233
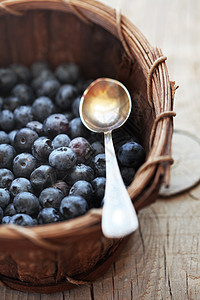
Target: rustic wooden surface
161	260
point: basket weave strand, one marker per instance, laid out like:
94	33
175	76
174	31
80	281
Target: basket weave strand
149	78
78	13
33	237
8	9
165	114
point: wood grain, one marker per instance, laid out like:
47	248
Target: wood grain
161	260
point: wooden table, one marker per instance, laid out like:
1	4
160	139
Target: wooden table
161	260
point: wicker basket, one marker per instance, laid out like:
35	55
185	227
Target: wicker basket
57	257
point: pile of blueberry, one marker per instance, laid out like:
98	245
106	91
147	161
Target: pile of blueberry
51	167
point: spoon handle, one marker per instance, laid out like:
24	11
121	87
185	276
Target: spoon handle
119	217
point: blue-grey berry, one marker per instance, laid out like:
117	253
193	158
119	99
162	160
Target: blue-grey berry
24	93
49	215
4	198
51	197
20	219
73	206
27	203
42	177
24	139
23	115
41	148
7	153
24	164
19	185
82	188
7	121
67	72
131	154
79	172
62	158
6	178
61	140
42	108
4	138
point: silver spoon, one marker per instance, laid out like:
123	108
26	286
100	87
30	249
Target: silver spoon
105	106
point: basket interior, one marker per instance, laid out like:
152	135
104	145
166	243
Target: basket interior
57	37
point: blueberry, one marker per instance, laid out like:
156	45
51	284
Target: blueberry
41	148
97	147
19	185
67	73
98	185
24	139
79	172
65	96
51	197
21	219
6	220
36	126
42	108
38	67
7	153
4	198
4	138
61	140
76	129
1	214
82	148
49	88
26	202
22	72
99	164
73	206
131	154
62	158
6	178
75	106
62	186
10	210
49	215
8	79
42	177
24	164
11	103
7	121
127	175
82	188
55	124
24	93
11	135
23	115
38	81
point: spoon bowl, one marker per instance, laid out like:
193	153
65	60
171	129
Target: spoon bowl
105	106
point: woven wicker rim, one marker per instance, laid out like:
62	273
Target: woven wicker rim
160	93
